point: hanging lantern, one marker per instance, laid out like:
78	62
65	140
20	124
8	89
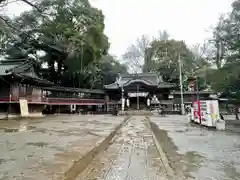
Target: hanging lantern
148	102
123	104
128	102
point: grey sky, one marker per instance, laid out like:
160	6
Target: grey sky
126	20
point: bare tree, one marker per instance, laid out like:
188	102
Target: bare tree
5	26
163	35
28	2
134	56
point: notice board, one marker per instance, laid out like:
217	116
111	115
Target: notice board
24	107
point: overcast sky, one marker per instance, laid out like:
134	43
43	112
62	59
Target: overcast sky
126	20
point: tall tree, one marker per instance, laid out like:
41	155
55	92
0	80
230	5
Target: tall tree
134	56
163	57
163	35
71	34
227	37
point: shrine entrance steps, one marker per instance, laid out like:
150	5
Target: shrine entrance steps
136	112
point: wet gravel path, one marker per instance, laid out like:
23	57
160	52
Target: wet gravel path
204	154
131	156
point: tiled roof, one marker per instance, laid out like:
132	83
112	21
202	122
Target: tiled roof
17	66
34	79
5	68
18	69
151	79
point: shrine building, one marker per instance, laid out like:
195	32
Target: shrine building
139	91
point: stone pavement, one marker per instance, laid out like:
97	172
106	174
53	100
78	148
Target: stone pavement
131	156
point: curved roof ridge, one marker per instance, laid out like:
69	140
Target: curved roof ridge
138	80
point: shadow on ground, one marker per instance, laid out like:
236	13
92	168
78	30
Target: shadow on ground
182	164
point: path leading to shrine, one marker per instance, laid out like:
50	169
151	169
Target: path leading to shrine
155	148
132	155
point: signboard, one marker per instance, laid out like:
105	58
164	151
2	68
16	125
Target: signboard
140	94
210	112
24	107
196	112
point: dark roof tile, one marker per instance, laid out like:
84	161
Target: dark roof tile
151	79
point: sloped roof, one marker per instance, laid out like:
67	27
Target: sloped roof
76	90
18	69
34	79
192	92
16	66
4	69
150	79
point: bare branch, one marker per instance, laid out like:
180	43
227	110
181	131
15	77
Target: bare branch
6	2
8	28
31	4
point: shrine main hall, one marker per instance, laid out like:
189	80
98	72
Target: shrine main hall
139	91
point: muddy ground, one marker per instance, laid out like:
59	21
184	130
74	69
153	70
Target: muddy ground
47	148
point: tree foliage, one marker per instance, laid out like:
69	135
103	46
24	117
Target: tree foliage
227	40
70	34
164	56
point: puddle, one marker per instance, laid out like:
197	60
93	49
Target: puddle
181	131
10	130
37	144
19	129
2	161
31	127
41	130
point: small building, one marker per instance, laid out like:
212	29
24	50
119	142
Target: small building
69	99
18	80
139	91
189	97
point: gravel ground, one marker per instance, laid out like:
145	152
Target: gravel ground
46	148
198	152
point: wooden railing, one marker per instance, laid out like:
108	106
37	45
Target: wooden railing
78	101
56	101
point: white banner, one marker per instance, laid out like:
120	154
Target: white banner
24	107
140	94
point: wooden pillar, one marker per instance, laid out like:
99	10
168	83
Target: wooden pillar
106	102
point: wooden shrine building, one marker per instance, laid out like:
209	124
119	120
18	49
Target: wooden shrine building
142	91
18	80
139	91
